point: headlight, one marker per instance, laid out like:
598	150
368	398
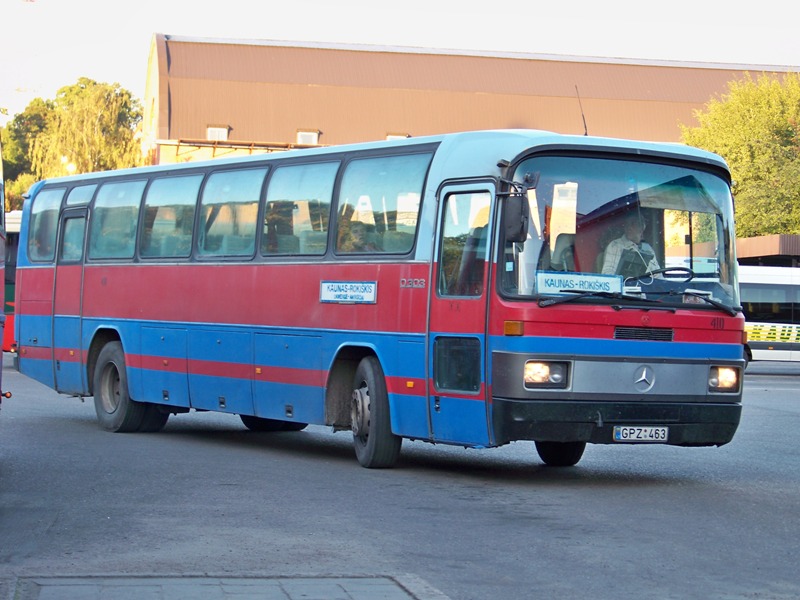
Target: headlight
723	379
541	374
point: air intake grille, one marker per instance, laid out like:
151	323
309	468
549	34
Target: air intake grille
643	333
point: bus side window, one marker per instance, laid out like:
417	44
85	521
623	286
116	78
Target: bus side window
72	242
766	303
112	232
44	221
464	244
384	194
298	209
228	212
81	194
169	209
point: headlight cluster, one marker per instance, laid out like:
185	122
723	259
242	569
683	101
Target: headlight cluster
723	379
542	374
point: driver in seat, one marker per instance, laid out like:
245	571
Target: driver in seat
628	255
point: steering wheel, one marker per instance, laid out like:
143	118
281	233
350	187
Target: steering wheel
678	270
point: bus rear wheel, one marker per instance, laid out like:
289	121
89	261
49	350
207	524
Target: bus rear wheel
112	402
375	445
560	454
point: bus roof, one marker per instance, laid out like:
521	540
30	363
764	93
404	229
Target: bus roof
485	147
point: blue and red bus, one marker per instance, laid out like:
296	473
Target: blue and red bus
4	235
478	304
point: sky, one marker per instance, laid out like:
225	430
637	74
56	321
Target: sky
49	44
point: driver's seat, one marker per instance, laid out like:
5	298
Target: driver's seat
563	257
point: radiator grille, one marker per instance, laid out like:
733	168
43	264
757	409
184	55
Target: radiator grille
643	333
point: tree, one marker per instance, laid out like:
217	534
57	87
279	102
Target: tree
756	128
19	134
17	138
91	128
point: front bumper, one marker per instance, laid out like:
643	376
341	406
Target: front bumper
690	424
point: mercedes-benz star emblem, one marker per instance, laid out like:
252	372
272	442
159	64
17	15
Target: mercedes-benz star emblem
644	378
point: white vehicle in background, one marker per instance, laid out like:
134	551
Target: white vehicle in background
771	302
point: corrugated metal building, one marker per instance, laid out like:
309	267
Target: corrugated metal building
259	95
208	98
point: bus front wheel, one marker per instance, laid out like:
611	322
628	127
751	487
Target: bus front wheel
112	402
560	454
375	444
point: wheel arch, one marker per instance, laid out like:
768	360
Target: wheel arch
101	337
339	387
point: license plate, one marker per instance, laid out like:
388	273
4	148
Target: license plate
641	434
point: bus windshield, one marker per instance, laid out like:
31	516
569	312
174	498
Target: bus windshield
605	228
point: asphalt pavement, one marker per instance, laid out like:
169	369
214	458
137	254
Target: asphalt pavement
103	587
210	586
772	367
204	586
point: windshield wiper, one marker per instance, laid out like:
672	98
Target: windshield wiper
675	271
553	300
715	303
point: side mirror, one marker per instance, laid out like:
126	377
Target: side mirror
516	216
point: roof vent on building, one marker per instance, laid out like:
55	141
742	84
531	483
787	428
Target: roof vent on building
308	137
217	133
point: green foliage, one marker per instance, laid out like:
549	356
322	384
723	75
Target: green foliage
18	136
90	128
16	189
756	128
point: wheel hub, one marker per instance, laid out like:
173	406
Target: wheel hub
109	392
359	412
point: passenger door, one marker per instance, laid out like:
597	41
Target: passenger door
458	318
67	303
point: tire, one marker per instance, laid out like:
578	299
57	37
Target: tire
375	445
262	424
560	454
112	402
154	418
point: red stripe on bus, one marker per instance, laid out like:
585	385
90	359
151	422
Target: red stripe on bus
231	370
288	375
67	354
218	369
480	395
36	352
408	386
157	363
